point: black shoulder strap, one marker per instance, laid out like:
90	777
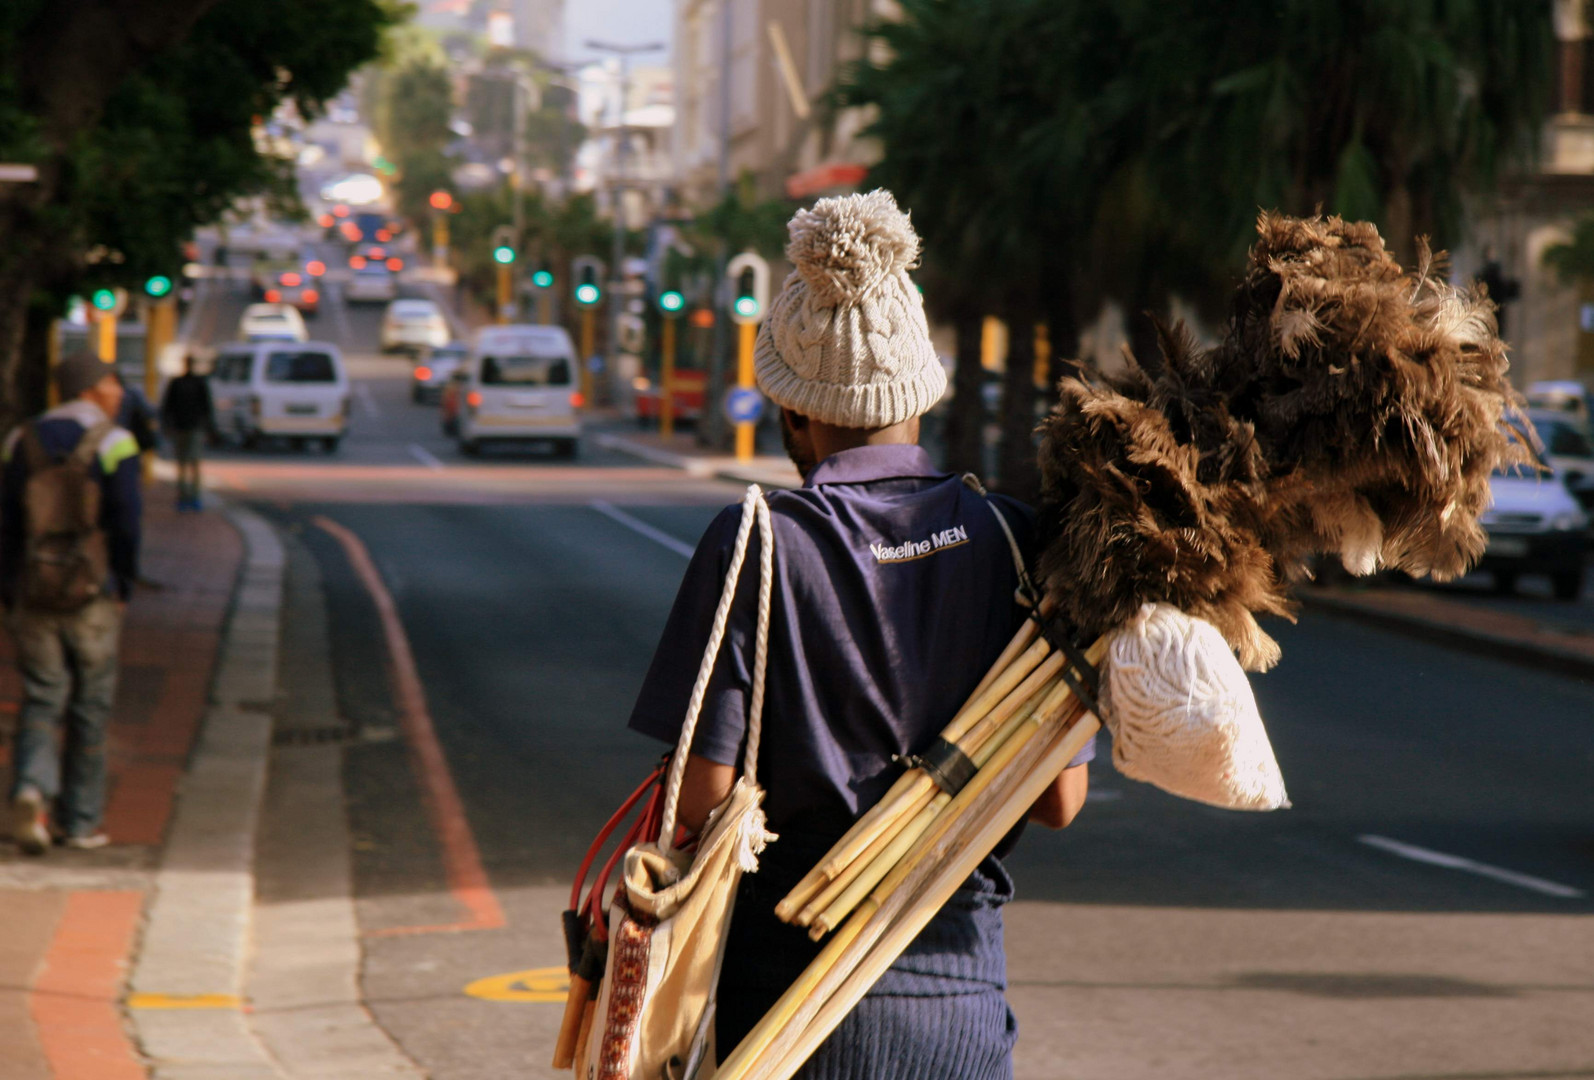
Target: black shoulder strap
1027	594
83	453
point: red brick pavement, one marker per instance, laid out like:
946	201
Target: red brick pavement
65	954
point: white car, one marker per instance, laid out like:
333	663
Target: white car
519	384
272	322
1569	450
1535	526
414	325
372	282
296	391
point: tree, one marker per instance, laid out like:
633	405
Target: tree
1573	259
140	118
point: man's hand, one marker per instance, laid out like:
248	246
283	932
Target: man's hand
1061	802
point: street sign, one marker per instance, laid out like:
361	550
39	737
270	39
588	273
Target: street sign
744	405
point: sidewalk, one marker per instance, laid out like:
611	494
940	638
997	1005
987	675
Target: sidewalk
72	917
682	452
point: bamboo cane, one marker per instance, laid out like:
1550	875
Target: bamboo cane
587	1015
791	1015
793	1045
828	896
564	1050
877	870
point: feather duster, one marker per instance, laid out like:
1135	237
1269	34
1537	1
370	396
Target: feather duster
1352	408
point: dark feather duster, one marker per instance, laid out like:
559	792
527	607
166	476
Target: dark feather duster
1352	408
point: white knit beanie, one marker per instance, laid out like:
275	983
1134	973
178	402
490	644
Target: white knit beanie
846	342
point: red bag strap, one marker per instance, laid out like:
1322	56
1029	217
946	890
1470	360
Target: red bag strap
608	830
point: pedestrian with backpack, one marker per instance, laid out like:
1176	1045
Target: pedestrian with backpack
69	536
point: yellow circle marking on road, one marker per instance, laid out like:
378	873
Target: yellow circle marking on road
538	984
183	1001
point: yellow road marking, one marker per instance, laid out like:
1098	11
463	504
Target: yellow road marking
183	1001
538	984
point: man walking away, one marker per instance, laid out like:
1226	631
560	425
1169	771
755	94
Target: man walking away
187	415
69	536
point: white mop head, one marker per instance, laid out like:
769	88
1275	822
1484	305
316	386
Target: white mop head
1182	714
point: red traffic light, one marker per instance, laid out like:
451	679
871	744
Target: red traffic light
441	200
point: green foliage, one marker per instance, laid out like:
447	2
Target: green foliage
1573	259
554	234
740	221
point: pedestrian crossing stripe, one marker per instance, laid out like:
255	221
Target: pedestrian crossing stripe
183	1001
538	984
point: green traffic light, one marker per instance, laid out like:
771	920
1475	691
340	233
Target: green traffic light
503	254
746	307
543	279
587	293
671	301
158	286
104	299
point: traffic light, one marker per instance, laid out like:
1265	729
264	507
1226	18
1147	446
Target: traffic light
103	299
588	275
748	275
543	278
503	255
671	301
158	286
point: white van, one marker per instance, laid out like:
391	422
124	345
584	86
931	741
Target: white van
520	384
275	389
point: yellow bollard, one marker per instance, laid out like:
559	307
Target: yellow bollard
667	380
744	380
588	343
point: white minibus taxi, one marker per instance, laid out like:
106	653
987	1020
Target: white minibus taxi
273	389
520	385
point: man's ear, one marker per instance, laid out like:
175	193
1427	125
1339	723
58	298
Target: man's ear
795	420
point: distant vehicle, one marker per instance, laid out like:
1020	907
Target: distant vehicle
272	322
1563	396
413	324
371	282
287	282
686	401
298	392
1569	450
1535	526
433	369
519	385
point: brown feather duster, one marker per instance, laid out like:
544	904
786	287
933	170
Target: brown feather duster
1352	408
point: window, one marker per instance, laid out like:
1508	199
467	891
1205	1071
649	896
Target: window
525	371
1563	440
233	367
300	367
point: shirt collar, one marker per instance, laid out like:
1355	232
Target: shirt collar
84	412
863	464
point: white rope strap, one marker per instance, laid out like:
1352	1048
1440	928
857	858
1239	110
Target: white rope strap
766	582
753	509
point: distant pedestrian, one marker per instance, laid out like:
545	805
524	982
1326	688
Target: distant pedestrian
187	415
69	535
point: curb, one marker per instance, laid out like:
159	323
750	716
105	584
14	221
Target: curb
1539	655
706	468
187	988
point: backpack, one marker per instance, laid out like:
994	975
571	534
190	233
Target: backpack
66	559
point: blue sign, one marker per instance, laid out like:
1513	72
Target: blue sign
744	405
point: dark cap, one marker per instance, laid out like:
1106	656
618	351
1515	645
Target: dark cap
79	372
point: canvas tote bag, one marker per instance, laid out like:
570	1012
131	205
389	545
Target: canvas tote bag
667	924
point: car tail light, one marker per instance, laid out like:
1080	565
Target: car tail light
474	399
377	253
578	400
356	262
309	296
315	267
383	235
273	296
340	210
325	221
290	279
351	232
423	373
395	264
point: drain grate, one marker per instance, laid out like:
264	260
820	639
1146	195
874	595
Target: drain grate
312	736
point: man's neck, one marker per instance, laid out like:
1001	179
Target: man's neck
829	439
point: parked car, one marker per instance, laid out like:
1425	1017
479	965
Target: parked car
433	369
450	400
1563	396
413	325
272	322
1569	450
1535	526
519	385
372	282
280	390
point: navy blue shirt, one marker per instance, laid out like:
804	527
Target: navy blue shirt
894	593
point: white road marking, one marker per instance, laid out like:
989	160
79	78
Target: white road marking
616	514
367	402
425	456
1456	862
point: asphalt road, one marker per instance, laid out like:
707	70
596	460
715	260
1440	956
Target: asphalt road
1423	911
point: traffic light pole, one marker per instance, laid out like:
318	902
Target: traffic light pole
588	342
160	327
744	380
105	336
667	379
506	294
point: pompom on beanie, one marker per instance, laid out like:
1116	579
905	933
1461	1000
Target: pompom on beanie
846	341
